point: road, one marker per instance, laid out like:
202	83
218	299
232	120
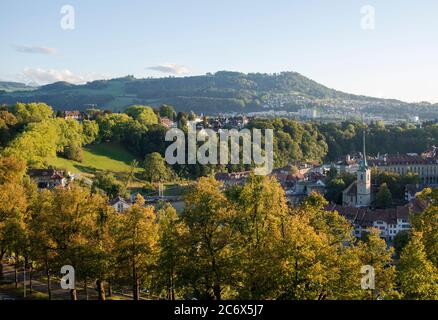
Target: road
39	285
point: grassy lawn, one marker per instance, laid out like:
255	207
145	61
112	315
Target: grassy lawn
100	157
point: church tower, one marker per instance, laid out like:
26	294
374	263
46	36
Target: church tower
363	181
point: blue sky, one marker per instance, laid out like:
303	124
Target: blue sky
321	39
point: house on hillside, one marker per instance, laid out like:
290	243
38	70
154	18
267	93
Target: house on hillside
230	179
166	122
47	178
75	115
120	204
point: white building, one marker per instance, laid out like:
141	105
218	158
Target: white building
120	204
389	221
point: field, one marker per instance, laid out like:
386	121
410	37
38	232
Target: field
100	157
116	159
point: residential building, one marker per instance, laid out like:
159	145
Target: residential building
233	178
164	121
75	115
120	204
424	165
389	221
47	178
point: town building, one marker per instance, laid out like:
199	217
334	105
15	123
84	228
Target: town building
347	165
75	115
389	221
424	165
47	178
120	204
164	121
233	178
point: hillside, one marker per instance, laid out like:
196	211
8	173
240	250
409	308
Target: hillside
96	158
221	92
8	86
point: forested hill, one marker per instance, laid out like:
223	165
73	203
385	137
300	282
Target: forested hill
220	92
8	86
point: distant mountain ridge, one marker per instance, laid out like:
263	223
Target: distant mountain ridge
221	92
10	86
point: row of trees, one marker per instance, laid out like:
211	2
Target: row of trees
239	243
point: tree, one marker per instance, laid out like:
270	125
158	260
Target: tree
73	217
400	241
90	131
170	252
73	152
109	184
43	249
11	169
167	111
427	224
383	197
374	252
8	123
181	119
144	115
155	168
209	263
137	237
31	112
13	205
334	190
418	276
261	216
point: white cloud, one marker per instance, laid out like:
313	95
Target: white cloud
36	49
170	68
45	76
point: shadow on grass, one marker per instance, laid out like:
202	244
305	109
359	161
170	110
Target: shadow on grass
111	150
85	169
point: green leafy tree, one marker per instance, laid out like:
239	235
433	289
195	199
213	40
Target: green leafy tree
31	112
137	239
167	111
418	276
90	130
208	265
155	167
144	115
383	197
170	252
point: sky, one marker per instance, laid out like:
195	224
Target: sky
392	53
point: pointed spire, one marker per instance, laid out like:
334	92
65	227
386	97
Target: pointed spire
364	164
364	153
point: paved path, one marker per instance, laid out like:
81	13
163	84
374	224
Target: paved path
39	285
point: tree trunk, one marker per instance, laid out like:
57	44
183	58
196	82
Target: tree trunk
49	289
217	291
100	290
2	254
16	276
30	277
73	294
135	285
110	290
86	288
172	289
